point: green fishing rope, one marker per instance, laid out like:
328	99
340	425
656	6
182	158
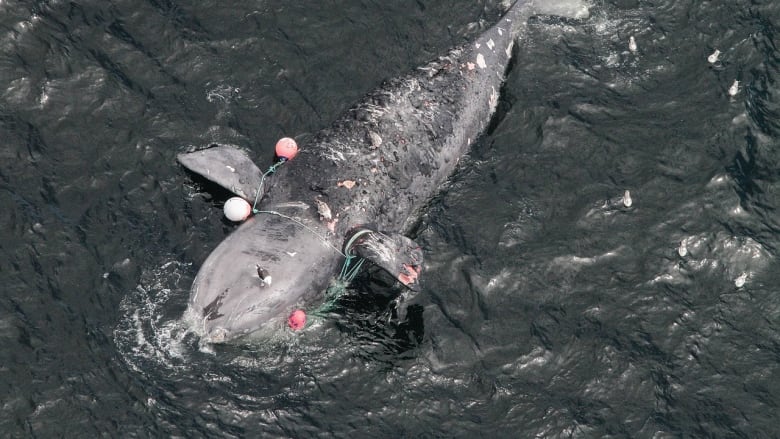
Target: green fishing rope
339	286
270	171
348	273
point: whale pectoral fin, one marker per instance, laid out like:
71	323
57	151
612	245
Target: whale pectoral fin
395	253
227	166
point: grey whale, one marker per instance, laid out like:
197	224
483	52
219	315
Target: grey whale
397	145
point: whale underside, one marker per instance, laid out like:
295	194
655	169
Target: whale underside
360	182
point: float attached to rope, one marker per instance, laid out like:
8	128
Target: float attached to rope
286	149
237	209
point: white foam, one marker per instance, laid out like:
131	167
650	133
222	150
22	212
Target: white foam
146	331
737	258
576	9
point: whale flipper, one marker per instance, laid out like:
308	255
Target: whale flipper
393	252
227	166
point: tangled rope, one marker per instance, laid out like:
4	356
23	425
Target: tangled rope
338	286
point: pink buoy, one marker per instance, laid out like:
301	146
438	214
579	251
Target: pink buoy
297	320
286	148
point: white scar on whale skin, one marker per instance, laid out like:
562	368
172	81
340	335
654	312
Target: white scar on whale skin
493	97
334	156
491	44
481	61
337	152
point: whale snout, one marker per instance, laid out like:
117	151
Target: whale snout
237	299
257	276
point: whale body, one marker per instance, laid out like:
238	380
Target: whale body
355	188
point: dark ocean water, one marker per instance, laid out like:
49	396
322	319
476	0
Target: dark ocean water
549	308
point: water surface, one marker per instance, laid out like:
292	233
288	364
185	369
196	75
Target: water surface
549	308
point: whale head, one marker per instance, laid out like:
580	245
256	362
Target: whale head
257	276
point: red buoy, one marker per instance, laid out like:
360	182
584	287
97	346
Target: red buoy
297	320
286	148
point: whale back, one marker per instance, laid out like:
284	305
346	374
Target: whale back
401	141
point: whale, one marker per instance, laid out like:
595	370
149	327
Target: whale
351	193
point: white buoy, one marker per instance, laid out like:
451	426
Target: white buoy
714	57
632	44
734	89
627	201
237	209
